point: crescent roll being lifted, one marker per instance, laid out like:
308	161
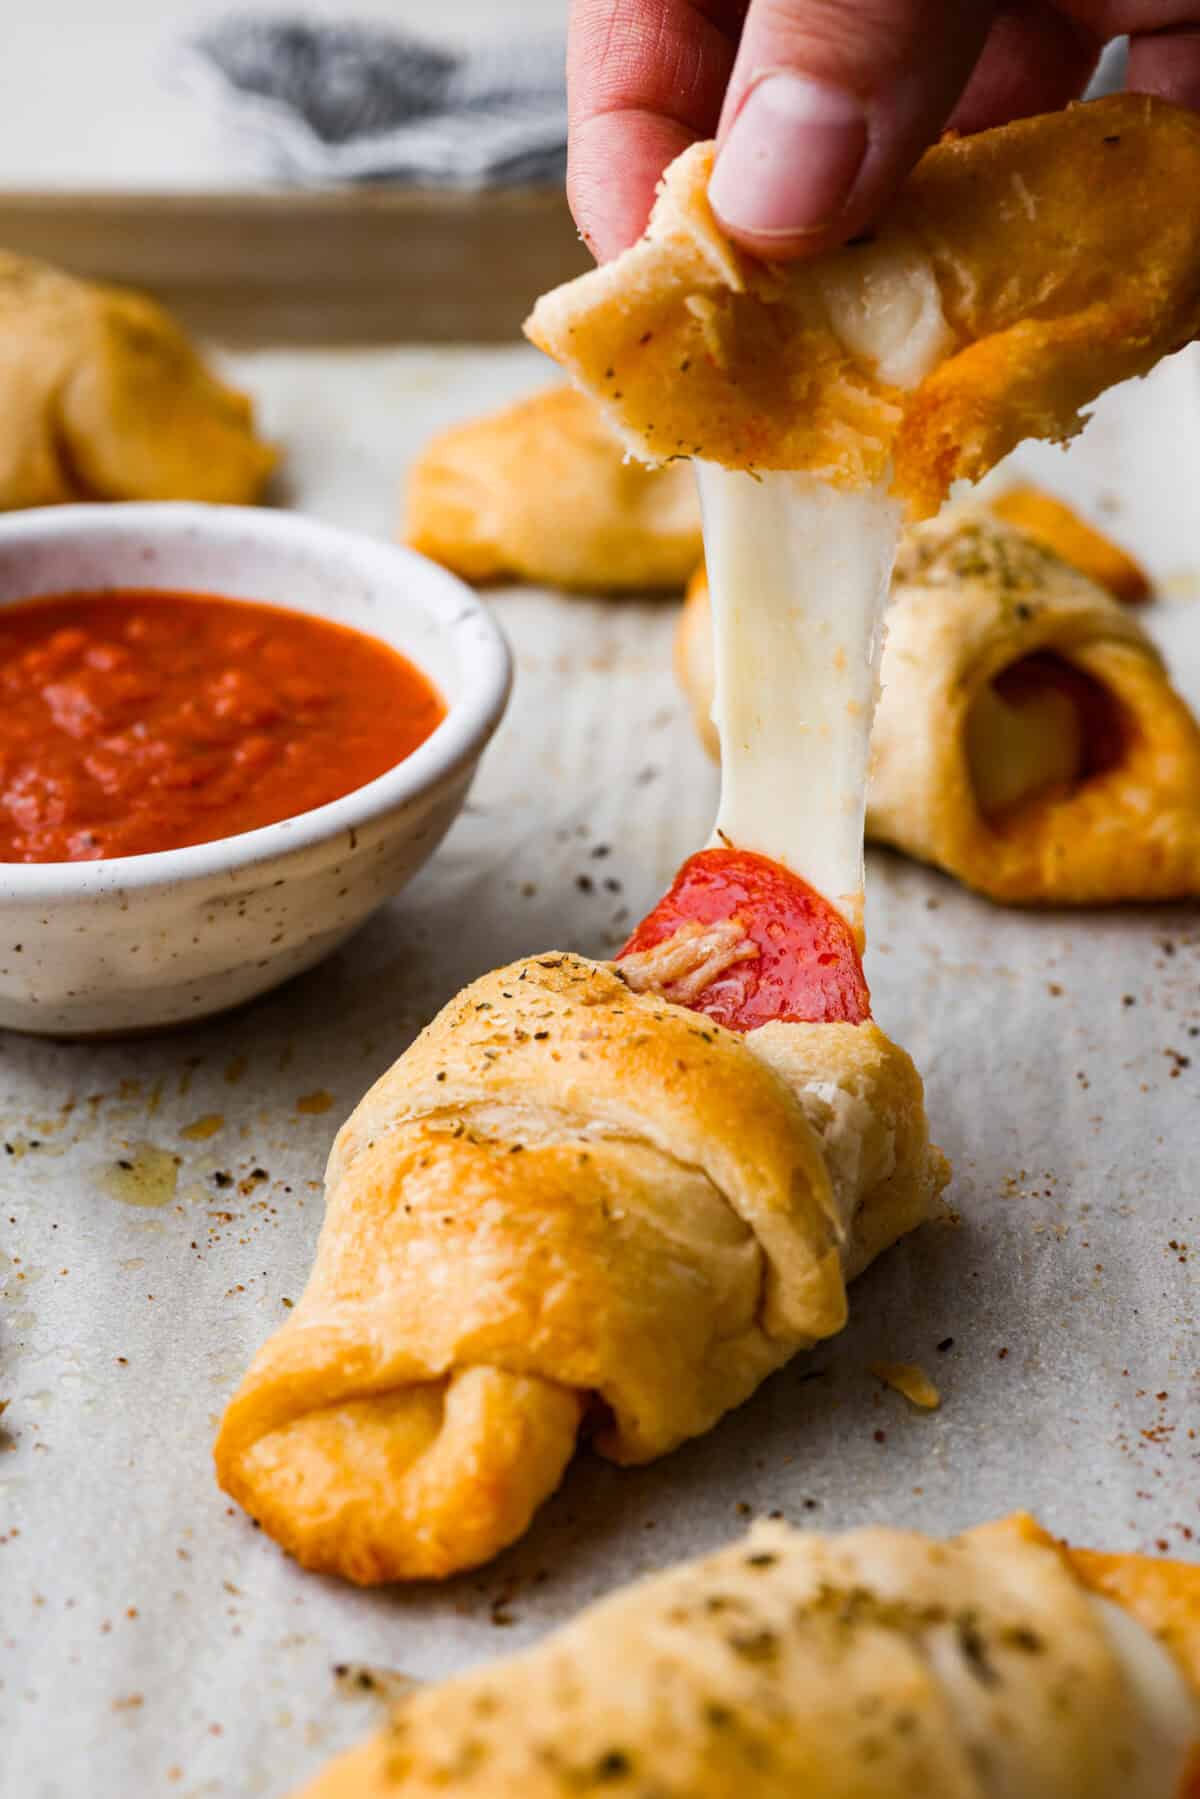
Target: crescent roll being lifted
1016	275
1027	738
874	1665
568	1204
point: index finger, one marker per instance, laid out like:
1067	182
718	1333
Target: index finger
645	78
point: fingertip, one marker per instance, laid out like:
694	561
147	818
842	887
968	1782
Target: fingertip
615	164
828	109
788	164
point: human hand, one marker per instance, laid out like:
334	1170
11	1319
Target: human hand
821	107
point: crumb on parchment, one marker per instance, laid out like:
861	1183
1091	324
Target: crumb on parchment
911	1380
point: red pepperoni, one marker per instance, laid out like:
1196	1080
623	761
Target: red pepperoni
808	969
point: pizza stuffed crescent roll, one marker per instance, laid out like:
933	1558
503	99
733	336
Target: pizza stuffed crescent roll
1050	522
1027	738
1017	274
873	1665
579	1204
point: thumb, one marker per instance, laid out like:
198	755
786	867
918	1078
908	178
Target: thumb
829	106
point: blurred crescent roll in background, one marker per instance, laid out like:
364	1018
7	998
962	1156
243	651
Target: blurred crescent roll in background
104	397
879	1664
544	491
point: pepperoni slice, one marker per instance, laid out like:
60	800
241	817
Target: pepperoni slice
807	969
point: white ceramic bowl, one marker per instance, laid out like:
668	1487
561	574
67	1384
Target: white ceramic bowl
139	942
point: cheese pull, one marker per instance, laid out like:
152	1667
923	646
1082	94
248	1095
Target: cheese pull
1027	739
569	1206
1015	276
878	1664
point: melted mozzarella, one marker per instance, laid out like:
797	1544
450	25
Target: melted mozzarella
846	1123
1017	750
799	573
882	301
1168	1712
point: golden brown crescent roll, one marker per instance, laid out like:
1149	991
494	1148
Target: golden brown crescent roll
1027	738
1016	275
544	491
873	1665
567	1201
103	397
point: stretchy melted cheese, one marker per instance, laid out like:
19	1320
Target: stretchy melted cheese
883	305
799	572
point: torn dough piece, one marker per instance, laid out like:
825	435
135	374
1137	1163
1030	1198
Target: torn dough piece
1017	274
103	397
878	1662
545	491
567	1202
1028	739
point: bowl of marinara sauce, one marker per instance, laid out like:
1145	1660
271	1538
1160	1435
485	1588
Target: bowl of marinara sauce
226	737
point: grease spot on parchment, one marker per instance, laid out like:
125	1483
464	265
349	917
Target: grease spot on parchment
146	1176
321	1101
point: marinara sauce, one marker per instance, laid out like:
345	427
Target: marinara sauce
141	721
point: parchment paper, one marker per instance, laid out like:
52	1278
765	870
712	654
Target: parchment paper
151	1641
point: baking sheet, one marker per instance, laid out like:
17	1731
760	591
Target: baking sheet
151	1641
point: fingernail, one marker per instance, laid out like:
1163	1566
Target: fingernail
790	159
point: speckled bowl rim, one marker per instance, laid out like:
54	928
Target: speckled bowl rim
485	682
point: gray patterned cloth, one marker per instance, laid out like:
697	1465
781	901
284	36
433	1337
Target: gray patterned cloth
314	102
